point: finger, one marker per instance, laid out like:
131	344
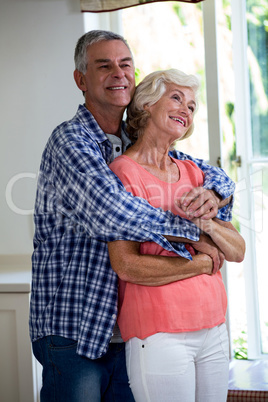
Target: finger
184	202
190	196
222	259
216	262
201	207
202	204
181	212
210	214
207	211
217	267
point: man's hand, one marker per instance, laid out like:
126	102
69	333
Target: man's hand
206	246
199	203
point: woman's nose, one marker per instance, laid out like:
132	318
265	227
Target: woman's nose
184	109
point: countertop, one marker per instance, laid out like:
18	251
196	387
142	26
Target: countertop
15	273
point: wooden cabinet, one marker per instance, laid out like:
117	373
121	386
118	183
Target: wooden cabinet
20	373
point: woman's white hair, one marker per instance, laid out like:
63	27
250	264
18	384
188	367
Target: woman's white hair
149	91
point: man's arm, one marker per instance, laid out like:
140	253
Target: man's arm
90	197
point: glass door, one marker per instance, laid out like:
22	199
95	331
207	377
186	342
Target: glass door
250	39
165	35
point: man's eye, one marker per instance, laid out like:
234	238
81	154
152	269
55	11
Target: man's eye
104	66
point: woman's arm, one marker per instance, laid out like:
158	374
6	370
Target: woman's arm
154	270
225	236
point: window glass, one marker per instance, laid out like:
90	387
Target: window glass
235	272
259	185
257	24
170	35
257	29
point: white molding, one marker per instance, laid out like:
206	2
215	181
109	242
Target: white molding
212	80
243	147
110	21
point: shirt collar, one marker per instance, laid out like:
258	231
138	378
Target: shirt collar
87	119
90	124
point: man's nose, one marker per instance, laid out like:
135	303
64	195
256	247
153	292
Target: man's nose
117	71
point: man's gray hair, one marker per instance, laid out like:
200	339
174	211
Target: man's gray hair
88	39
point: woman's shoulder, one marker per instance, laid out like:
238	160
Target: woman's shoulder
122	161
189	169
125	168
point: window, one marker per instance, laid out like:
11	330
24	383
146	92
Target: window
250	20
170	35
174	35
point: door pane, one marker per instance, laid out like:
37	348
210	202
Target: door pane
260	198
257	23
257	29
170	35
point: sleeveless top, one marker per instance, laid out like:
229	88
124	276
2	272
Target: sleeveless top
186	305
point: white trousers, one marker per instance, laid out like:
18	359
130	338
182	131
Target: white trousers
180	367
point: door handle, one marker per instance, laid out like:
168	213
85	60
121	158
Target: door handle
238	161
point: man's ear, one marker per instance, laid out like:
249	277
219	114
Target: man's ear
80	80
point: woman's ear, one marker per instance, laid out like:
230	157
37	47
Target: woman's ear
80	80
146	107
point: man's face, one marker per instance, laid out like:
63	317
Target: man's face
110	76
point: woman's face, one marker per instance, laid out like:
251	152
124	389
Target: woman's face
172	115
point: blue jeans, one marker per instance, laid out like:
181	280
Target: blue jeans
68	377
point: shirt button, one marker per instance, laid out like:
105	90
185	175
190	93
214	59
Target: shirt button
118	149
114	316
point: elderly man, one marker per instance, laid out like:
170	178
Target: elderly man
80	205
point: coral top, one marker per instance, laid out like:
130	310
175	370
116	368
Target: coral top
187	305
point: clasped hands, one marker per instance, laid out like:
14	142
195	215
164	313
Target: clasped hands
200	206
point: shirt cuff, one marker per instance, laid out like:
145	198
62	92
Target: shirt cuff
225	213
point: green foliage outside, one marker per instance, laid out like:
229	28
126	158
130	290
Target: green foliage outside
241	347
137	75
178	10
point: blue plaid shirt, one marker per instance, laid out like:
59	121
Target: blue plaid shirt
80	205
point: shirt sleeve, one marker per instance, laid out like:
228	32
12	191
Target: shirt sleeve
215	179
80	186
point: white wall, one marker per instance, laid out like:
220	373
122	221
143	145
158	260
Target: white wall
37	92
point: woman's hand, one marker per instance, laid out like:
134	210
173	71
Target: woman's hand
199	202
206	246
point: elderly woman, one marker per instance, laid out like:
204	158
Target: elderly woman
177	342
